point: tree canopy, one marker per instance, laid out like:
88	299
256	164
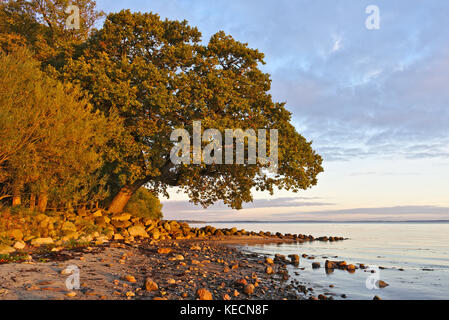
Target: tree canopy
158	76
151	76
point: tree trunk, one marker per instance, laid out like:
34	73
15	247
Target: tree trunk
42	202
32	201
16	198
121	199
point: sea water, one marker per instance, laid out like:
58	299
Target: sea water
421	250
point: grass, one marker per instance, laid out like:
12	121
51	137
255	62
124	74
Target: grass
8	258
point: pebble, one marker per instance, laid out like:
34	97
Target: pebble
150	285
130	279
204	294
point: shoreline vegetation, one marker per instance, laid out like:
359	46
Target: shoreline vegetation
121	256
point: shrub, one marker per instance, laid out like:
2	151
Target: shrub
144	204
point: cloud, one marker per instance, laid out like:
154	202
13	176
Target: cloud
284	202
183	210
354	92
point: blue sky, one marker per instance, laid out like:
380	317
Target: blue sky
374	102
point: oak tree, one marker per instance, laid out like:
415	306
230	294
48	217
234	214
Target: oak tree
158	75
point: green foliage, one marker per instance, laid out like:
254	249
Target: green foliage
144	204
41	25
145	77
158	76
50	140
15	258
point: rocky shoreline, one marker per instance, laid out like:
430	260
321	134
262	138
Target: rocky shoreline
125	257
165	270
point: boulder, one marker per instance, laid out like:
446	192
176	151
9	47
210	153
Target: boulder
121	217
19	245
6	249
316	265
41	241
118	236
138	231
16	234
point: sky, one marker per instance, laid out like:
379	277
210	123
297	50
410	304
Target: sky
375	103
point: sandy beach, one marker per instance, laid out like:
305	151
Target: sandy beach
166	270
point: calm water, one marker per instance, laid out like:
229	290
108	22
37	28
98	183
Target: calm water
421	249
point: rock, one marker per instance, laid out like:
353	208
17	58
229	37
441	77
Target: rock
156	234
150	285
279	257
121	217
294	258
204	294
138	231
381	284
68	227
171	281
121	224
70	294
41	241
19	245
70	236
164	250
329	264
377	298
269	261
316	265
6	249
130	279
249	289
269	270
118	236
16	234
226	297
